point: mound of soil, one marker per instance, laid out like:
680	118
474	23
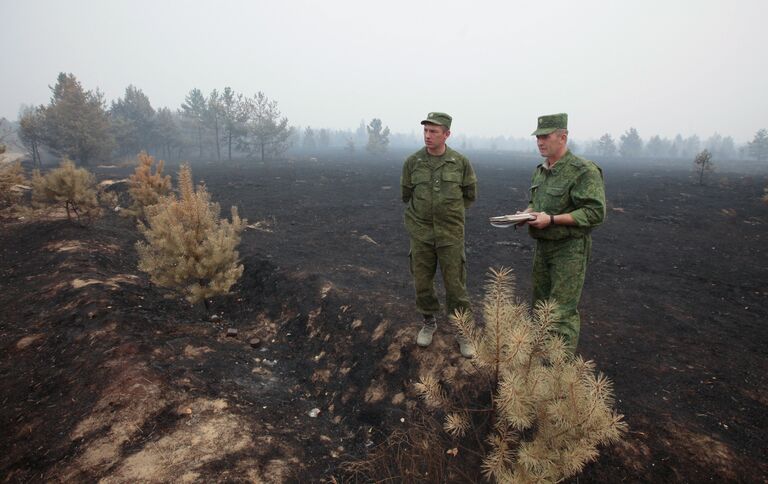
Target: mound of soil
311	360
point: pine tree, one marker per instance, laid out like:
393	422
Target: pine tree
234	118
188	248
309	143
378	139
758	147
214	118
606	146
549	411
146	189
657	147
195	109
76	124
268	131
31	126
133	122
70	187
703	163
631	144
167	132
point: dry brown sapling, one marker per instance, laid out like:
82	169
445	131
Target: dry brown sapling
147	188
11	177
549	411
68	186
189	248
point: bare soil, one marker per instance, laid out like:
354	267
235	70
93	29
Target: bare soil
104	377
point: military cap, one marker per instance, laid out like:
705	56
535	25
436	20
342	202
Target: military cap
441	119
551	123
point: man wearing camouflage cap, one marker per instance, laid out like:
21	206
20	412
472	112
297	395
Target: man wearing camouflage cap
567	197
438	183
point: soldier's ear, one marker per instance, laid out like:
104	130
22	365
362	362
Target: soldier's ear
447	133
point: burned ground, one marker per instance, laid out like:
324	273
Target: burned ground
105	378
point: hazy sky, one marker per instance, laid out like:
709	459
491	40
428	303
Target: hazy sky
664	67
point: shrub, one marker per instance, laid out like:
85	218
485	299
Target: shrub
11	175
147	188
74	188
189	249
548	410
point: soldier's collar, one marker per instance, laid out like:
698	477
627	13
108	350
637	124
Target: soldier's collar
447	156
556	167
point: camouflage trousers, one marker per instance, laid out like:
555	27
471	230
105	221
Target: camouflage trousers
559	267
424	259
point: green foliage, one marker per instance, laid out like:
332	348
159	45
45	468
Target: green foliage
133	121
234	115
31	131
76	126
657	147
549	411
188	248
214	119
268	132
606	146
378	139
758	147
703	163
631	144
167	132
147	188
195	110
68	186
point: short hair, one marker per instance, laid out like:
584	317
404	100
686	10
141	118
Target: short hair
444	128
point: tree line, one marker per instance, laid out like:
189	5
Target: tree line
78	124
631	145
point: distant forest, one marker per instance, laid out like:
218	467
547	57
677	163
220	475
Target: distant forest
224	125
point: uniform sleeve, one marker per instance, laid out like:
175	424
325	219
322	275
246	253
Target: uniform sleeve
469	185
588	195
406	185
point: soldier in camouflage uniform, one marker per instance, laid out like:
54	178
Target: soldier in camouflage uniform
568	199
438	183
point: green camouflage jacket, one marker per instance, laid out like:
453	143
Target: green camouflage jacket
437	190
574	185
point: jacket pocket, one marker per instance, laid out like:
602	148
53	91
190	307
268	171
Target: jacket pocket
556	191
451	185
555	199
420	185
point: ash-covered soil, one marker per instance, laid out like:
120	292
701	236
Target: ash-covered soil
105	378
